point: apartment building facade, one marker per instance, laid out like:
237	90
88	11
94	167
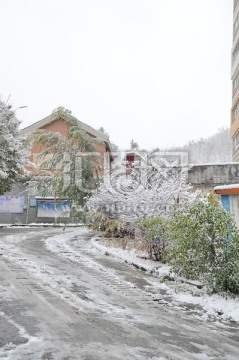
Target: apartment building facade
235	83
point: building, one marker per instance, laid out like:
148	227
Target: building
56	123
229	195
23	204
132	161
235	82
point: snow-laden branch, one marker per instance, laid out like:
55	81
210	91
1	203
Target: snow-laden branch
147	190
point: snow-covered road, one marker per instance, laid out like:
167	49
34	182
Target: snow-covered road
61	299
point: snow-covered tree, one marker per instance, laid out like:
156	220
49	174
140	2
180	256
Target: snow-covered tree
150	189
13	150
114	147
102	129
134	145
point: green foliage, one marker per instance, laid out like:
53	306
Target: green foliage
204	244
64	114
155	234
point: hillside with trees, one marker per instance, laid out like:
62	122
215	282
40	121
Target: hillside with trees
214	149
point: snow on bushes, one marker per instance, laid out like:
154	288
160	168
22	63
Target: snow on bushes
13	151
147	190
189	230
204	244
150	188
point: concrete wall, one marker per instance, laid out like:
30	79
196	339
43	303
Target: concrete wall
213	175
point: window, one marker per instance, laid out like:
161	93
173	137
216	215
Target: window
235	52
235	25
235	83
235	111
236	141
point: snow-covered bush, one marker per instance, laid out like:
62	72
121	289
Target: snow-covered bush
204	244
147	190
13	149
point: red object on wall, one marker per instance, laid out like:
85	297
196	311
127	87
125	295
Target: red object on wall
130	158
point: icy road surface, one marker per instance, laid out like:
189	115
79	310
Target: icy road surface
60	299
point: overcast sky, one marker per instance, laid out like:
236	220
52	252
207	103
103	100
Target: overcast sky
156	71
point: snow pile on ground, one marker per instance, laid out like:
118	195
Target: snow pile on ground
129	256
214	305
